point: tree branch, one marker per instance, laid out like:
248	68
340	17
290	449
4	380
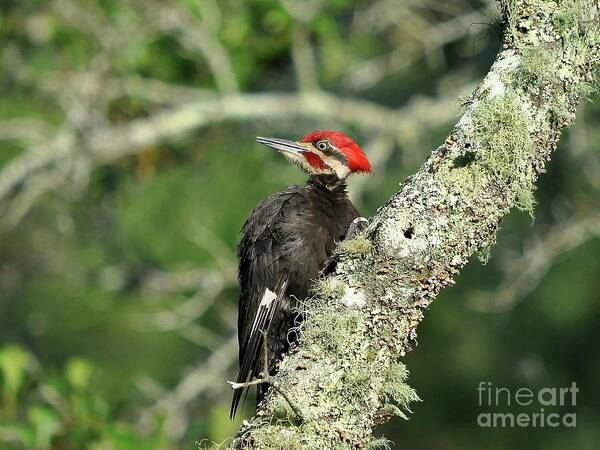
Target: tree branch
107	143
345	373
523	273
173	404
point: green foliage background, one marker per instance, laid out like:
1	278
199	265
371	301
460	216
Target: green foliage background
96	324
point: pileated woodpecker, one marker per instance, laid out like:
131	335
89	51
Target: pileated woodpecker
285	244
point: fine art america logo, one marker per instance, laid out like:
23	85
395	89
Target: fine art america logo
546	407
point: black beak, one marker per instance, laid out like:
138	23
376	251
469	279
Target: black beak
282	145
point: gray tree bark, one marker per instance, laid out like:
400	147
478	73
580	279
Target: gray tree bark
346	376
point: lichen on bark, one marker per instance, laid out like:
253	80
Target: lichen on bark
346	374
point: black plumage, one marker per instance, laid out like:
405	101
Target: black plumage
285	244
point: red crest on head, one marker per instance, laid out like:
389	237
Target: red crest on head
357	160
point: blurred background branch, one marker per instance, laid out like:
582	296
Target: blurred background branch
108	143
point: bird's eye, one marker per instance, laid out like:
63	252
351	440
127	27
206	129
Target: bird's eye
322	145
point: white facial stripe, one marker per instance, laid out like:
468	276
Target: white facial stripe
301	161
333	165
341	170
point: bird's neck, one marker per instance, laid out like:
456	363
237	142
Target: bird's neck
329	182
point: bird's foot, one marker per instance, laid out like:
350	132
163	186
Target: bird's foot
357	225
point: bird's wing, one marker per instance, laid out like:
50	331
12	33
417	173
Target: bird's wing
265	258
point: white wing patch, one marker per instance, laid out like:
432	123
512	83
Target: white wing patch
268	298
265	303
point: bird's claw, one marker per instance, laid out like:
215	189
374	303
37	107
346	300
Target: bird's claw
357	225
